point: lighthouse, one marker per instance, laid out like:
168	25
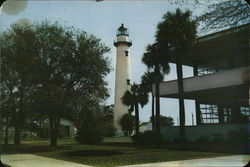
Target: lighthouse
123	74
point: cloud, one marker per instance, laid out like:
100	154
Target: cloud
14	7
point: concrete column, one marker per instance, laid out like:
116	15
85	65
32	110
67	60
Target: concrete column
221	113
197	104
248	64
235	112
198	112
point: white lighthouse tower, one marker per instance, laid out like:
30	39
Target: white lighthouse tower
123	74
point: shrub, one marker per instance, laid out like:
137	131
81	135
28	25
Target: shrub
43	131
147	137
203	139
110	129
218	137
91	129
238	136
127	123
90	135
165	120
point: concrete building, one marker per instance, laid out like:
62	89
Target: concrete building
145	126
123	73
219	86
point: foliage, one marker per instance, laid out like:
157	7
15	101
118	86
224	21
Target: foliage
148	137
127	123
148	79
225	14
156	61
177	30
108	118
91	129
203	139
218	137
110	129
133	98
240	135
165	120
45	66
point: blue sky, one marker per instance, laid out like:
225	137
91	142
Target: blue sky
102	19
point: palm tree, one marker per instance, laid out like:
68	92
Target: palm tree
158	63
179	31
147	81
133	98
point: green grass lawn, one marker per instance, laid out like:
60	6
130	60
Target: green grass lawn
105	155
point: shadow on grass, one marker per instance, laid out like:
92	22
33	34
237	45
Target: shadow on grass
90	153
27	148
219	147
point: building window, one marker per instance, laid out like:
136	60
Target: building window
209	114
245	112
128	81
205	71
126	53
227	115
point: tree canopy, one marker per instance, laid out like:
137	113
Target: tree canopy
47	67
225	14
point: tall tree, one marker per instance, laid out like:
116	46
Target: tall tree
133	98
158	63
71	64
16	82
50	65
178	30
225	14
147	80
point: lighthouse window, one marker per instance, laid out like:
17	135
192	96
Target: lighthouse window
128	81
126	53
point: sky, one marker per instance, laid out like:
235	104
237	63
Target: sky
102	20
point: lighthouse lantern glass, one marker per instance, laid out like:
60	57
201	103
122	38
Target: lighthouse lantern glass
122	31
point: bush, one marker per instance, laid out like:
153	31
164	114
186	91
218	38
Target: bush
110	129
43	131
63	131
127	123
238	136
90	135
147	137
203	139
91	130
218	137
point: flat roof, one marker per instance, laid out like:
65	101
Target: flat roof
217	46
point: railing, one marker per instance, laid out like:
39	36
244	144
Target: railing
122	40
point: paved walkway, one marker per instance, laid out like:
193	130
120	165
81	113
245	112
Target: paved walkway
228	161
29	160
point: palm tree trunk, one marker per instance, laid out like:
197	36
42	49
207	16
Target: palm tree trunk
137	119
157	111
6	139
181	100
17	138
153	113
53	132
